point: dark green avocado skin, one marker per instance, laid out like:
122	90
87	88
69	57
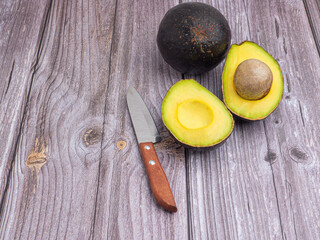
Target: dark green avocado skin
193	37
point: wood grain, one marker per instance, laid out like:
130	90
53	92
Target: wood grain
312	8
262	183
59	163
125	206
21	27
52	192
70	166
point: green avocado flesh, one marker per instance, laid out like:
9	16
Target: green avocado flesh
244	108
195	116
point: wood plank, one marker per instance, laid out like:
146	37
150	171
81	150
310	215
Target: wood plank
293	129
21	27
231	191
126	208
312	8
263	182
53	185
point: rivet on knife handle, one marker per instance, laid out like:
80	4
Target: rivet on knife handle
158	180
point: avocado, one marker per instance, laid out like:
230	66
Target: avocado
194	116
252	79
193	37
267	97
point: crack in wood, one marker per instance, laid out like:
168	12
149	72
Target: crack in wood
277	199
189	210
274	183
289	189
247	17
277	27
301	114
248	203
288	83
291	209
92	233
312	26
10	77
284	45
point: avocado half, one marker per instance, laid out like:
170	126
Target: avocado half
250	109
193	37
195	116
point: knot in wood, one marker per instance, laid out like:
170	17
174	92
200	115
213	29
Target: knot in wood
121	144
270	157
92	136
298	155
37	158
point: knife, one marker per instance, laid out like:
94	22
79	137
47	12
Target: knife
147	134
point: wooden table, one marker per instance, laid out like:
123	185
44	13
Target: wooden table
69	161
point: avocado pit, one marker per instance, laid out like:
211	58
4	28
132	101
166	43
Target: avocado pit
252	79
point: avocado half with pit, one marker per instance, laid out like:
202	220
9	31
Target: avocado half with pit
246	86
193	37
195	116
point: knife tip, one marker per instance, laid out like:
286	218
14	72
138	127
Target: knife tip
131	88
130	91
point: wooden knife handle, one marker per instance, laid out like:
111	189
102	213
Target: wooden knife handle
157	177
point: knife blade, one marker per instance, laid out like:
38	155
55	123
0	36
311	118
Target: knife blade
147	134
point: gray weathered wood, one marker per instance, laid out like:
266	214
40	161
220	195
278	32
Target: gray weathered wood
313	12
59	167
52	192
263	182
126	208
69	161
21	27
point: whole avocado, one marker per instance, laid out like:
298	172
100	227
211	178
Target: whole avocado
193	37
